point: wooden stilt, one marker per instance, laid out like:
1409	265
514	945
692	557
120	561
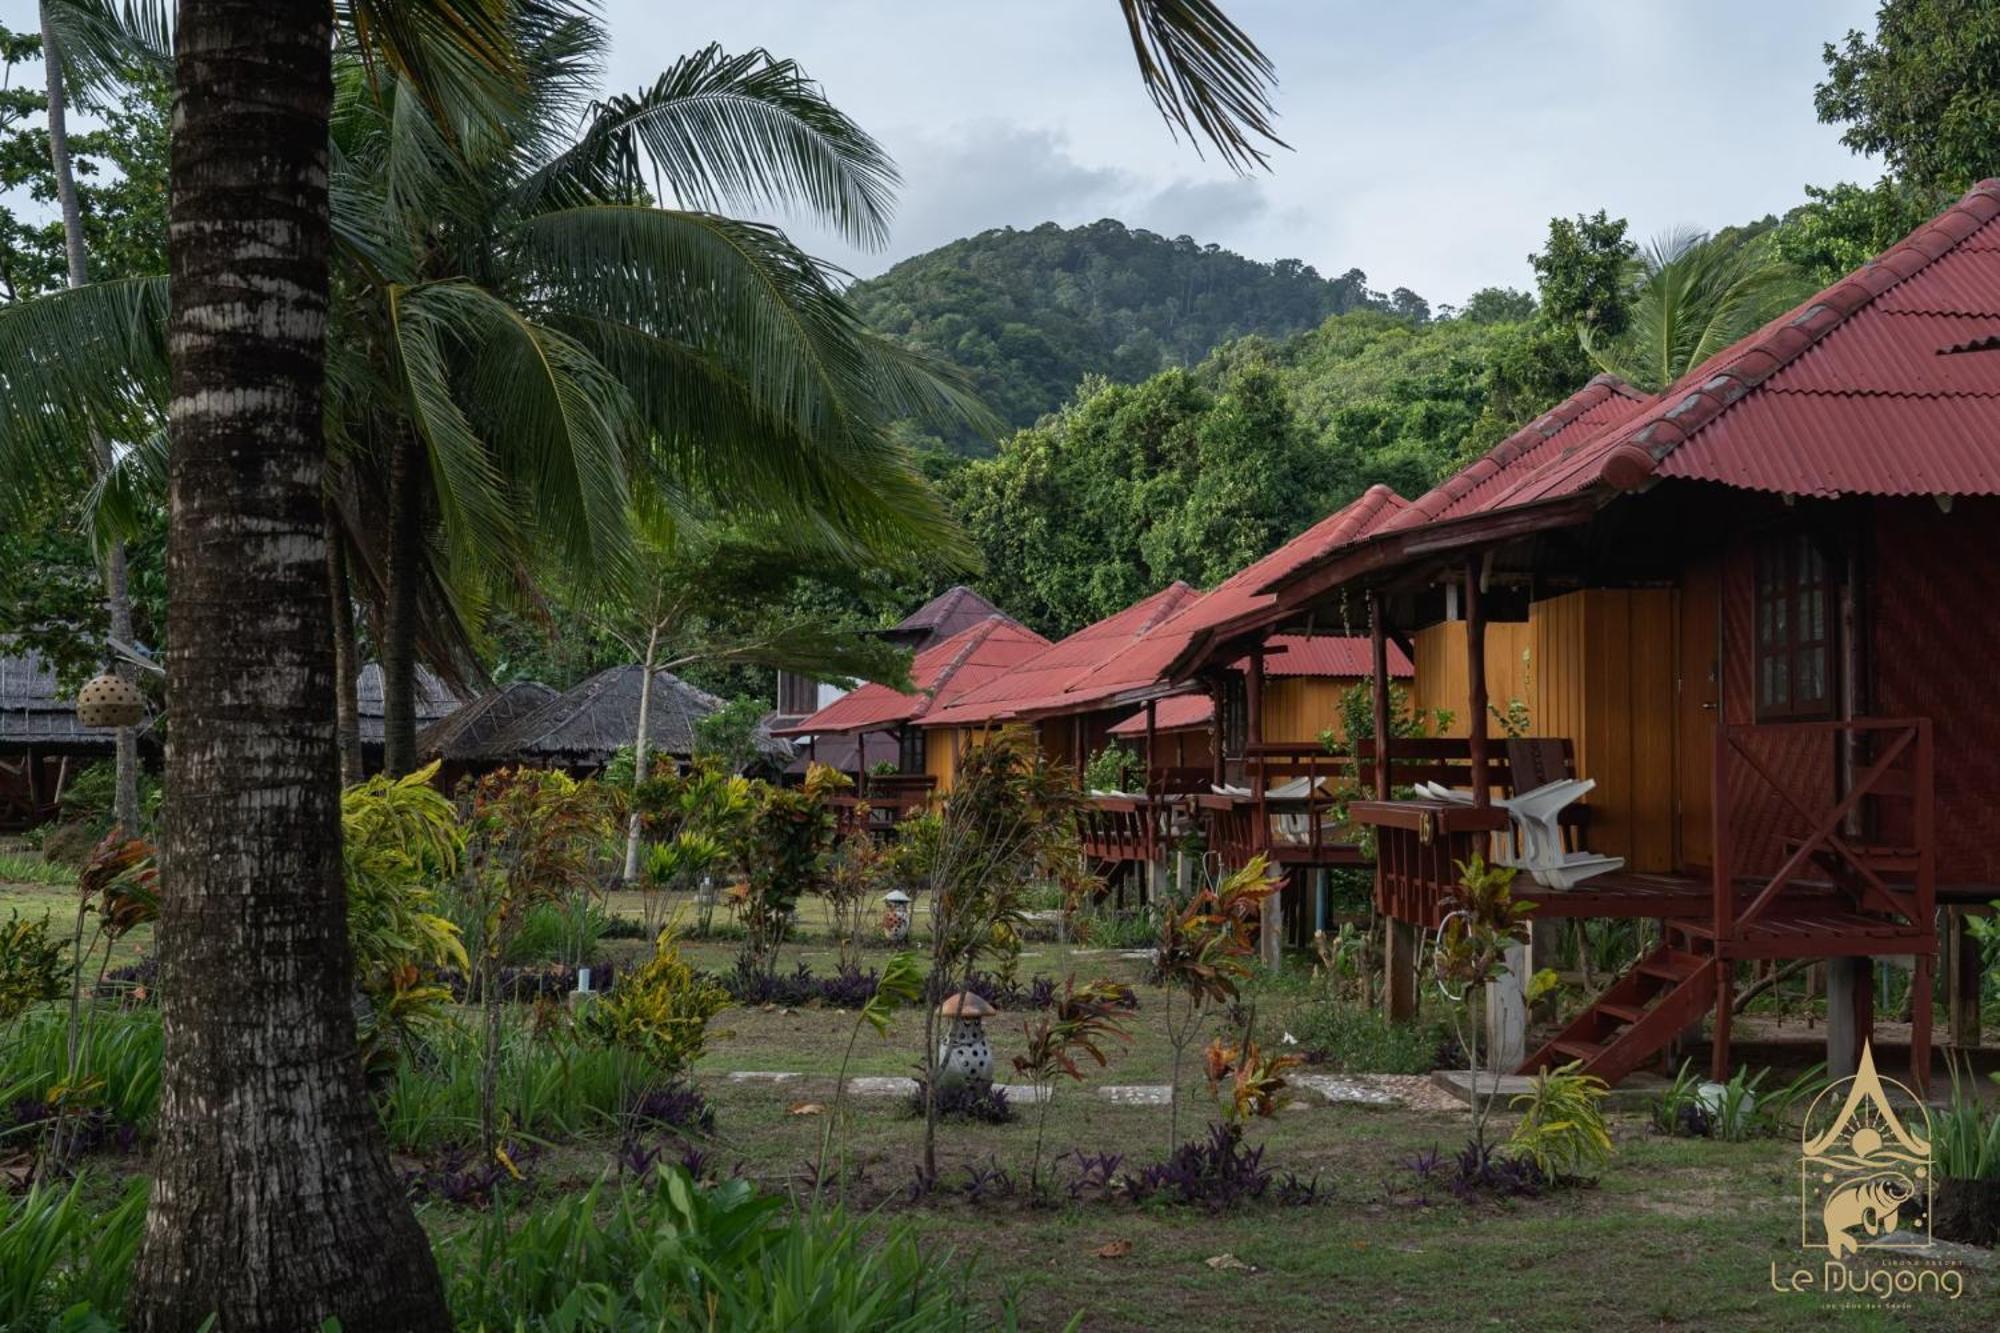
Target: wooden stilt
1475	673
1920	1024
1399	970
1963	970
1725	1005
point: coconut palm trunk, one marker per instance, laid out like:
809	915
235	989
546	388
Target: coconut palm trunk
639	753
346	663
117	596
273	1203
399	638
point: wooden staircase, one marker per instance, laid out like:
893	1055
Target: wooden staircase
1636	1018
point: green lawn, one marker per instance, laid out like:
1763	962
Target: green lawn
1676	1234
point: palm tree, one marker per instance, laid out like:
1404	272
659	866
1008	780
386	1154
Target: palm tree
1696	294
87	44
274	1204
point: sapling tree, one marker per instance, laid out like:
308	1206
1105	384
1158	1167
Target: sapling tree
1076	1025
1206	947
789	836
1482	921
901	984
1008	823
532	835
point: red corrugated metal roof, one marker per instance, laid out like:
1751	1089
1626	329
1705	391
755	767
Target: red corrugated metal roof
1179	712
1028	685
1874	386
1326	655
1148	661
943	672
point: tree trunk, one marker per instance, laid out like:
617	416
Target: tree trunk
273	1204
399	649
346	706
639	753
117	597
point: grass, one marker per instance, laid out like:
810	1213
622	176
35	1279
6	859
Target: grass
1678	1233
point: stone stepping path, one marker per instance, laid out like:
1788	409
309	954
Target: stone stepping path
1343	1091
894	1085
1329	1089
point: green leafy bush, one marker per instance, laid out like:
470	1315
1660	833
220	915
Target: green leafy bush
1354	1038
56	1251
1562	1129
34	966
660	1012
676	1256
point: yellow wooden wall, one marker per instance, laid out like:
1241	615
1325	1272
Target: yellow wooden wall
1596	666
1604	662
1299	708
1441	679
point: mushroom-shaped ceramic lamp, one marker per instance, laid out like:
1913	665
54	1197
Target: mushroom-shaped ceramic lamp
964	1057
896	916
110	701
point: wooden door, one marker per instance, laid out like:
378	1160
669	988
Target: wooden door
1699	692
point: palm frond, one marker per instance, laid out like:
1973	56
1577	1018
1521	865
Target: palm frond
1206	76
723	132
102	44
459	56
527	403
129	492
1696	295
752	372
78	365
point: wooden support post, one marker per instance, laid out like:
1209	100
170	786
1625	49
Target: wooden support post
1850	1012
1544	938
1475	672
1399	970
1152	738
1378	645
1215	757
1507	1012
1253	699
1963	970
1725	1010
861	762
1920	1023
1270	928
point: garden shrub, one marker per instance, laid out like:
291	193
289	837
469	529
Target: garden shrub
660	1012
1352	1038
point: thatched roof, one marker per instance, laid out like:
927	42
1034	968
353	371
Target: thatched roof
34	712
589	724
466	736
435	701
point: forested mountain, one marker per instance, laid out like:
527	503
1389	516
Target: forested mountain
1029	313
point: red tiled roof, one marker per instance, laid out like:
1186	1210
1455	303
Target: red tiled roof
1033	685
1177	712
1604	402
943	672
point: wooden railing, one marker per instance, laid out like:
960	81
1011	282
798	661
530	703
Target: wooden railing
1885	762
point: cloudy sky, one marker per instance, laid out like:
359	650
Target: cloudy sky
1431	139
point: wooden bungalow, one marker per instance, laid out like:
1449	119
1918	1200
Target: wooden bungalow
1751	606
42	745
941	673
951	612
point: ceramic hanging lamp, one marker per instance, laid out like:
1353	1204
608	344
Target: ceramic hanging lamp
110	701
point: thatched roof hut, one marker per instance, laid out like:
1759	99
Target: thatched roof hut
35	713
435	702
466	736
585	727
